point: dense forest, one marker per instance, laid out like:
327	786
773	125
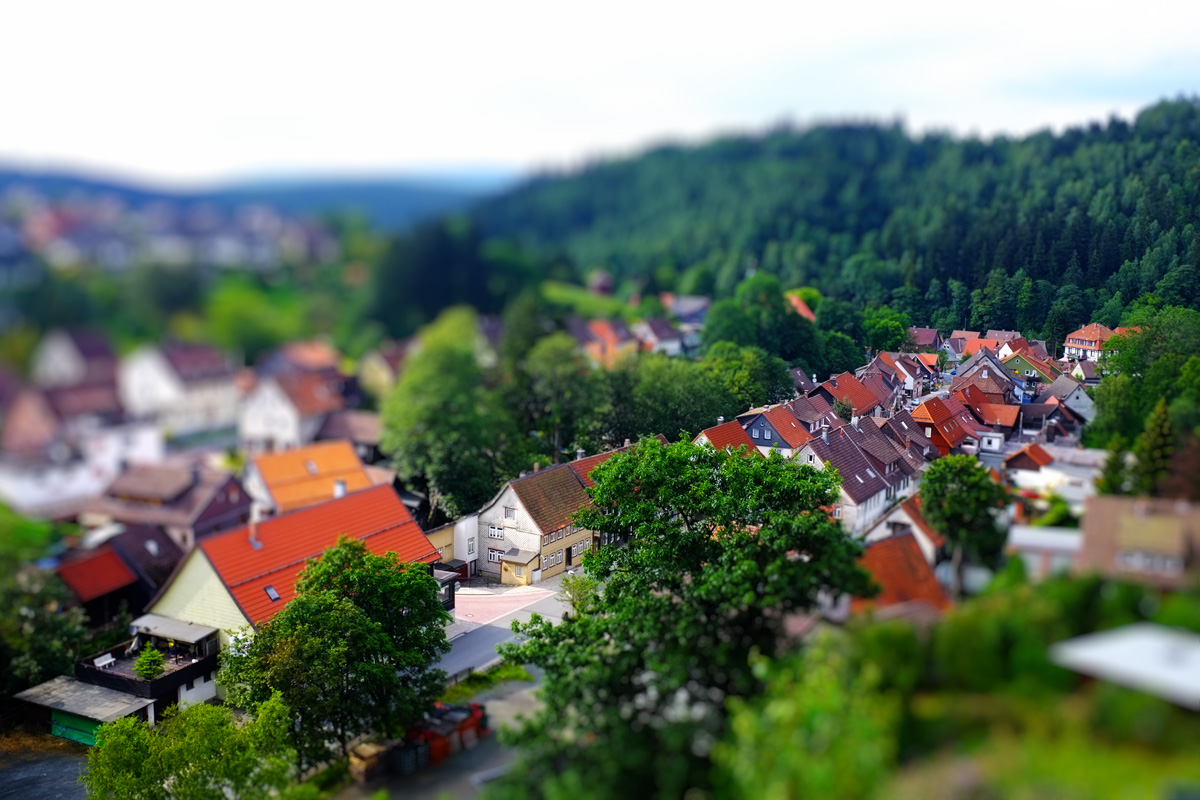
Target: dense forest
1040	233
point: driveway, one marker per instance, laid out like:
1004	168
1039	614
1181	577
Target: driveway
42	776
460	775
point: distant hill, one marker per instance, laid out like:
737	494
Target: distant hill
1040	233
391	203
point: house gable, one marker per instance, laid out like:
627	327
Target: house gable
197	594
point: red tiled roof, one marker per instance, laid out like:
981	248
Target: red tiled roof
847	387
583	467
374	516
787	426
903	575
912	506
311	393
95	574
1035	454
960	334
923	337
728	434
934	412
972	346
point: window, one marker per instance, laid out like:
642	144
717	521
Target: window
810	458
928	432
546	539
191	684
837	512
471	546
271	593
574	550
510	513
495	532
560	556
519	570
545	562
754	432
494	556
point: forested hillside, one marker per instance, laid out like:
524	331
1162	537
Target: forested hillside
1039	233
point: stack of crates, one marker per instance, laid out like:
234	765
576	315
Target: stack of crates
367	761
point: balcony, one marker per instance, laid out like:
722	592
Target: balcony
120	675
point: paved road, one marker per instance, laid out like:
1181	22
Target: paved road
44	776
478	646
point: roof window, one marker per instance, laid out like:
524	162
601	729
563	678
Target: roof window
271	593
311	466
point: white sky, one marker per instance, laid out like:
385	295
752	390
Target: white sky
208	91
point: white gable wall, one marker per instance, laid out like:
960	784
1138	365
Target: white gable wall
519	532
56	362
268	420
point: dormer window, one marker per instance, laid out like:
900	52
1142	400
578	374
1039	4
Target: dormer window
271	593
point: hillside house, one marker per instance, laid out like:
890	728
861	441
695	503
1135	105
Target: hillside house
183	388
941	426
1087	343
725	435
906	518
864	493
775	428
925	338
186	503
287	410
73	357
657	335
864	402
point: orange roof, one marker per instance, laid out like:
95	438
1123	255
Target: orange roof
988	413
787	426
1035	453
306	476
847	387
583	467
960	334
1094	332
801	307
726	435
971	346
374	516
903	575
95	574
928	359
936	413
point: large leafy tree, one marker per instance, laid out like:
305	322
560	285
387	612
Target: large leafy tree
719	550
353	652
403	599
444	425
566	401
961	500
752	375
198	753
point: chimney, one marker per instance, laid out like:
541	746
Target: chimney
825	436
339	488
536	466
720	420
627	443
580	453
254	515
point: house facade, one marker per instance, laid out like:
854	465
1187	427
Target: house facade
183	388
1088	342
72	357
287	411
526	535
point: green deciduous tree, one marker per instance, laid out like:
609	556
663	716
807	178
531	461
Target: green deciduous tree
198	753
444	425
353	652
838	728
636	689
960	500
566	398
750	374
1114	476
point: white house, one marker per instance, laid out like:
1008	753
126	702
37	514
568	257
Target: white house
59	479
864	493
183	388
70	358
286	411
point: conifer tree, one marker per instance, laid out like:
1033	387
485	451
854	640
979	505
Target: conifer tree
1154	449
1114	475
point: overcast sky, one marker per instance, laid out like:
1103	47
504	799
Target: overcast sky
208	91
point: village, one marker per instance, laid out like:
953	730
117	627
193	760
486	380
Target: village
201	489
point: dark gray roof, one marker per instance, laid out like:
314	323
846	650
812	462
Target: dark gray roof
860	480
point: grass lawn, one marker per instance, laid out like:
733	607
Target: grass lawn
581	301
479	681
1023	750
